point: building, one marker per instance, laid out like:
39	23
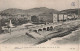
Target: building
46	17
59	17
63	17
50	17
72	16
17	16
55	17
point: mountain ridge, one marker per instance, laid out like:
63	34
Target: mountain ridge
33	11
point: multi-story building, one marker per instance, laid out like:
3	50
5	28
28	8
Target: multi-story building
63	17
55	17
51	17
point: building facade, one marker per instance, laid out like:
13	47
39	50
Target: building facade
63	17
55	18
46	17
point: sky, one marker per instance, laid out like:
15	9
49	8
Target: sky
28	4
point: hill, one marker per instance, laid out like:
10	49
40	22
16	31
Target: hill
33	11
76	11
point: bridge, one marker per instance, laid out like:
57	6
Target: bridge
42	27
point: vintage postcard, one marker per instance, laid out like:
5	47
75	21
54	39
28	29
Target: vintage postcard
39	25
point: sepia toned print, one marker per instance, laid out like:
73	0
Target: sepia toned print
39	25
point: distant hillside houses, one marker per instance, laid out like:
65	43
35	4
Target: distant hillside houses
40	15
73	15
17	16
63	16
43	17
27	16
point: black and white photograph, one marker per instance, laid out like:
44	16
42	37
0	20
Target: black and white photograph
53	25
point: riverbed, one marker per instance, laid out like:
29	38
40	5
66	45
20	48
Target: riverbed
68	33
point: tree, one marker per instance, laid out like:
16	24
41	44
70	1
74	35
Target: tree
34	19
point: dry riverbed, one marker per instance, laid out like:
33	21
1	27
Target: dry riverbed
59	31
